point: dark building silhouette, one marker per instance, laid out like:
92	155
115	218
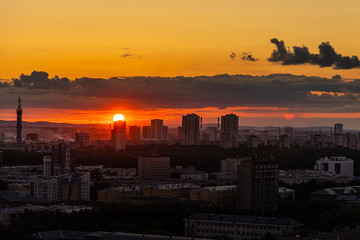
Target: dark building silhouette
118	135
63	159
146	130
19	123
229	131
258	182
190	129
134	133
82	140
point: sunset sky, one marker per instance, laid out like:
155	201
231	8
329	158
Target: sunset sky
97	48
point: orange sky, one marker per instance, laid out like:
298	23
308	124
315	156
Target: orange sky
168	38
110	38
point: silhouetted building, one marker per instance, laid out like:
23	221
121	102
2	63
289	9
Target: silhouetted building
153	167
290	132
19	125
118	135
284	142
258	182
82	140
229	131
46	166
179	133
252	141
231	164
134	133
146	132
157	129
63	159
191	129
338	127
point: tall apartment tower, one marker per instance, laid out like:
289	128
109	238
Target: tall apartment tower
46	166
63	159
82	140
229	131
338	127
146	130
19	123
157	129
118	135
258	182
134	133
190	129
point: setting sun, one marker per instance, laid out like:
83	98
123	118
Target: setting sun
118	117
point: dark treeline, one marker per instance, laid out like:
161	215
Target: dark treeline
205	158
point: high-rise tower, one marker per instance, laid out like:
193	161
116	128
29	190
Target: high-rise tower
229	131
190	129
19	123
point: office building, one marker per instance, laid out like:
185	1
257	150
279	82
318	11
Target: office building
191	129
134	133
118	135
341	166
238	227
63	159
258	182
82	140
153	167
19	125
229	131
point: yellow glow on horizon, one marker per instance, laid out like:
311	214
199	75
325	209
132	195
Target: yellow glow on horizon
118	117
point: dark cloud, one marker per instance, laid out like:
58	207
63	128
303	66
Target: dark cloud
41	80
127	55
248	57
327	56
233	56
277	90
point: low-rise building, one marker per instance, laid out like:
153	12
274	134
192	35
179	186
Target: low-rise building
221	196
238	226
342	166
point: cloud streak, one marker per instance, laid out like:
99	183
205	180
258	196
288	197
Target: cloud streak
327	56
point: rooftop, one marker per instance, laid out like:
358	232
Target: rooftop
245	219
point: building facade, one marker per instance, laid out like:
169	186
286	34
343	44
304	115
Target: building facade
82	140
63	160
153	167
134	133
341	166
238	227
258	182
229	131
118	135
191	129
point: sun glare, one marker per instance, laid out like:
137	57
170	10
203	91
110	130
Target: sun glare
118	117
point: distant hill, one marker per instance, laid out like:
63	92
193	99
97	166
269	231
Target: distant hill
49	125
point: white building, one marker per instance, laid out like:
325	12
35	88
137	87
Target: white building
47	166
335	165
61	188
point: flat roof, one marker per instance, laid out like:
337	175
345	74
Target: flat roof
245	219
